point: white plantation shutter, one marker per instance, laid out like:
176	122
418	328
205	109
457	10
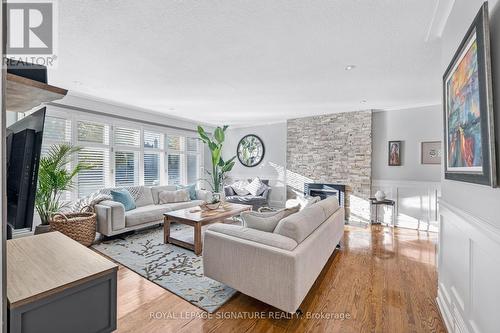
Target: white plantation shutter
192	169
174	169
89	132
175	142
126	168
92	180
56	131
127	137
151	169
153	140
192	144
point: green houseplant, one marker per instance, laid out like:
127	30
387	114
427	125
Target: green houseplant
54	177
219	167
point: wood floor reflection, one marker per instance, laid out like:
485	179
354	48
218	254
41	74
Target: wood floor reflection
382	280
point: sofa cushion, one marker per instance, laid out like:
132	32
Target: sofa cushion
152	213
247	199
144	196
174	196
155	191
228	191
330	205
240	187
124	197
256	187
254	235
191	190
300	225
266	221
145	214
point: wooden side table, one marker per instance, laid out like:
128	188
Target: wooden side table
386	202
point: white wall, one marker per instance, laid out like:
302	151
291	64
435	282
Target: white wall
469	245
412	126
273	166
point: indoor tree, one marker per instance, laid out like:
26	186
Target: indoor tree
219	167
54	177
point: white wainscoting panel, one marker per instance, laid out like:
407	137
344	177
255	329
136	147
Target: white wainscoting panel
416	203
468	271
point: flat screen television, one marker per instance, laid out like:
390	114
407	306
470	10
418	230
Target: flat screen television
24	143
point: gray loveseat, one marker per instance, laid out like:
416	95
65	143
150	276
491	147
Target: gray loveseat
112	219
257	201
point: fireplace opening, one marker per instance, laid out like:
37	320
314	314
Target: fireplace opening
326	190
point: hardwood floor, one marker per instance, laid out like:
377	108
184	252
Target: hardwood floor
382	280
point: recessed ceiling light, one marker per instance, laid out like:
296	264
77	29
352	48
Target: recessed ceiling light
350	67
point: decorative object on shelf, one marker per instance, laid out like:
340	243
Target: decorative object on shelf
78	226
380	195
213	204
394	153
250	150
54	178
430	152
220	168
469	138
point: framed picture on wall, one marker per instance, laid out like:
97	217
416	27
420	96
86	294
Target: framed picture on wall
394	153
430	152
469	137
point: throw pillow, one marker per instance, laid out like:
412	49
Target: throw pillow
256	187
239	187
174	196
266	221
124	197
191	189
90	200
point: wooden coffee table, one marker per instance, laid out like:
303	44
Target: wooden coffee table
196	218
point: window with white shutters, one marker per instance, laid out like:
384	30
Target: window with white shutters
151	169
126	168
127	137
92	180
89	132
174	167
122	153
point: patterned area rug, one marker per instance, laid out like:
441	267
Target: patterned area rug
174	268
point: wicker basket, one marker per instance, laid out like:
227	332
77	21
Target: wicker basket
78	226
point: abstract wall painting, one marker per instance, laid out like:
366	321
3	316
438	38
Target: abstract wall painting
394	153
468	109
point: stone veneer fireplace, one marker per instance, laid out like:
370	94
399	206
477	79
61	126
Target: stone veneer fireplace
332	149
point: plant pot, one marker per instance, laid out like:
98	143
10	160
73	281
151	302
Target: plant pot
42	229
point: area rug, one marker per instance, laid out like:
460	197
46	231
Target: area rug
174	268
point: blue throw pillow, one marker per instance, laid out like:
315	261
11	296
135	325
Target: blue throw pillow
124	197
191	189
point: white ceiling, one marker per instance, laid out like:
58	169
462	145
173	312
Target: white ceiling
237	62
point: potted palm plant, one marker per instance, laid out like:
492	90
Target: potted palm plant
220	168
54	177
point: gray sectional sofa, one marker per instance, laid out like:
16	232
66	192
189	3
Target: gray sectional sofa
257	201
276	267
112	219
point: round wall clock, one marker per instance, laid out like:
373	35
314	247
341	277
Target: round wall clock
250	150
